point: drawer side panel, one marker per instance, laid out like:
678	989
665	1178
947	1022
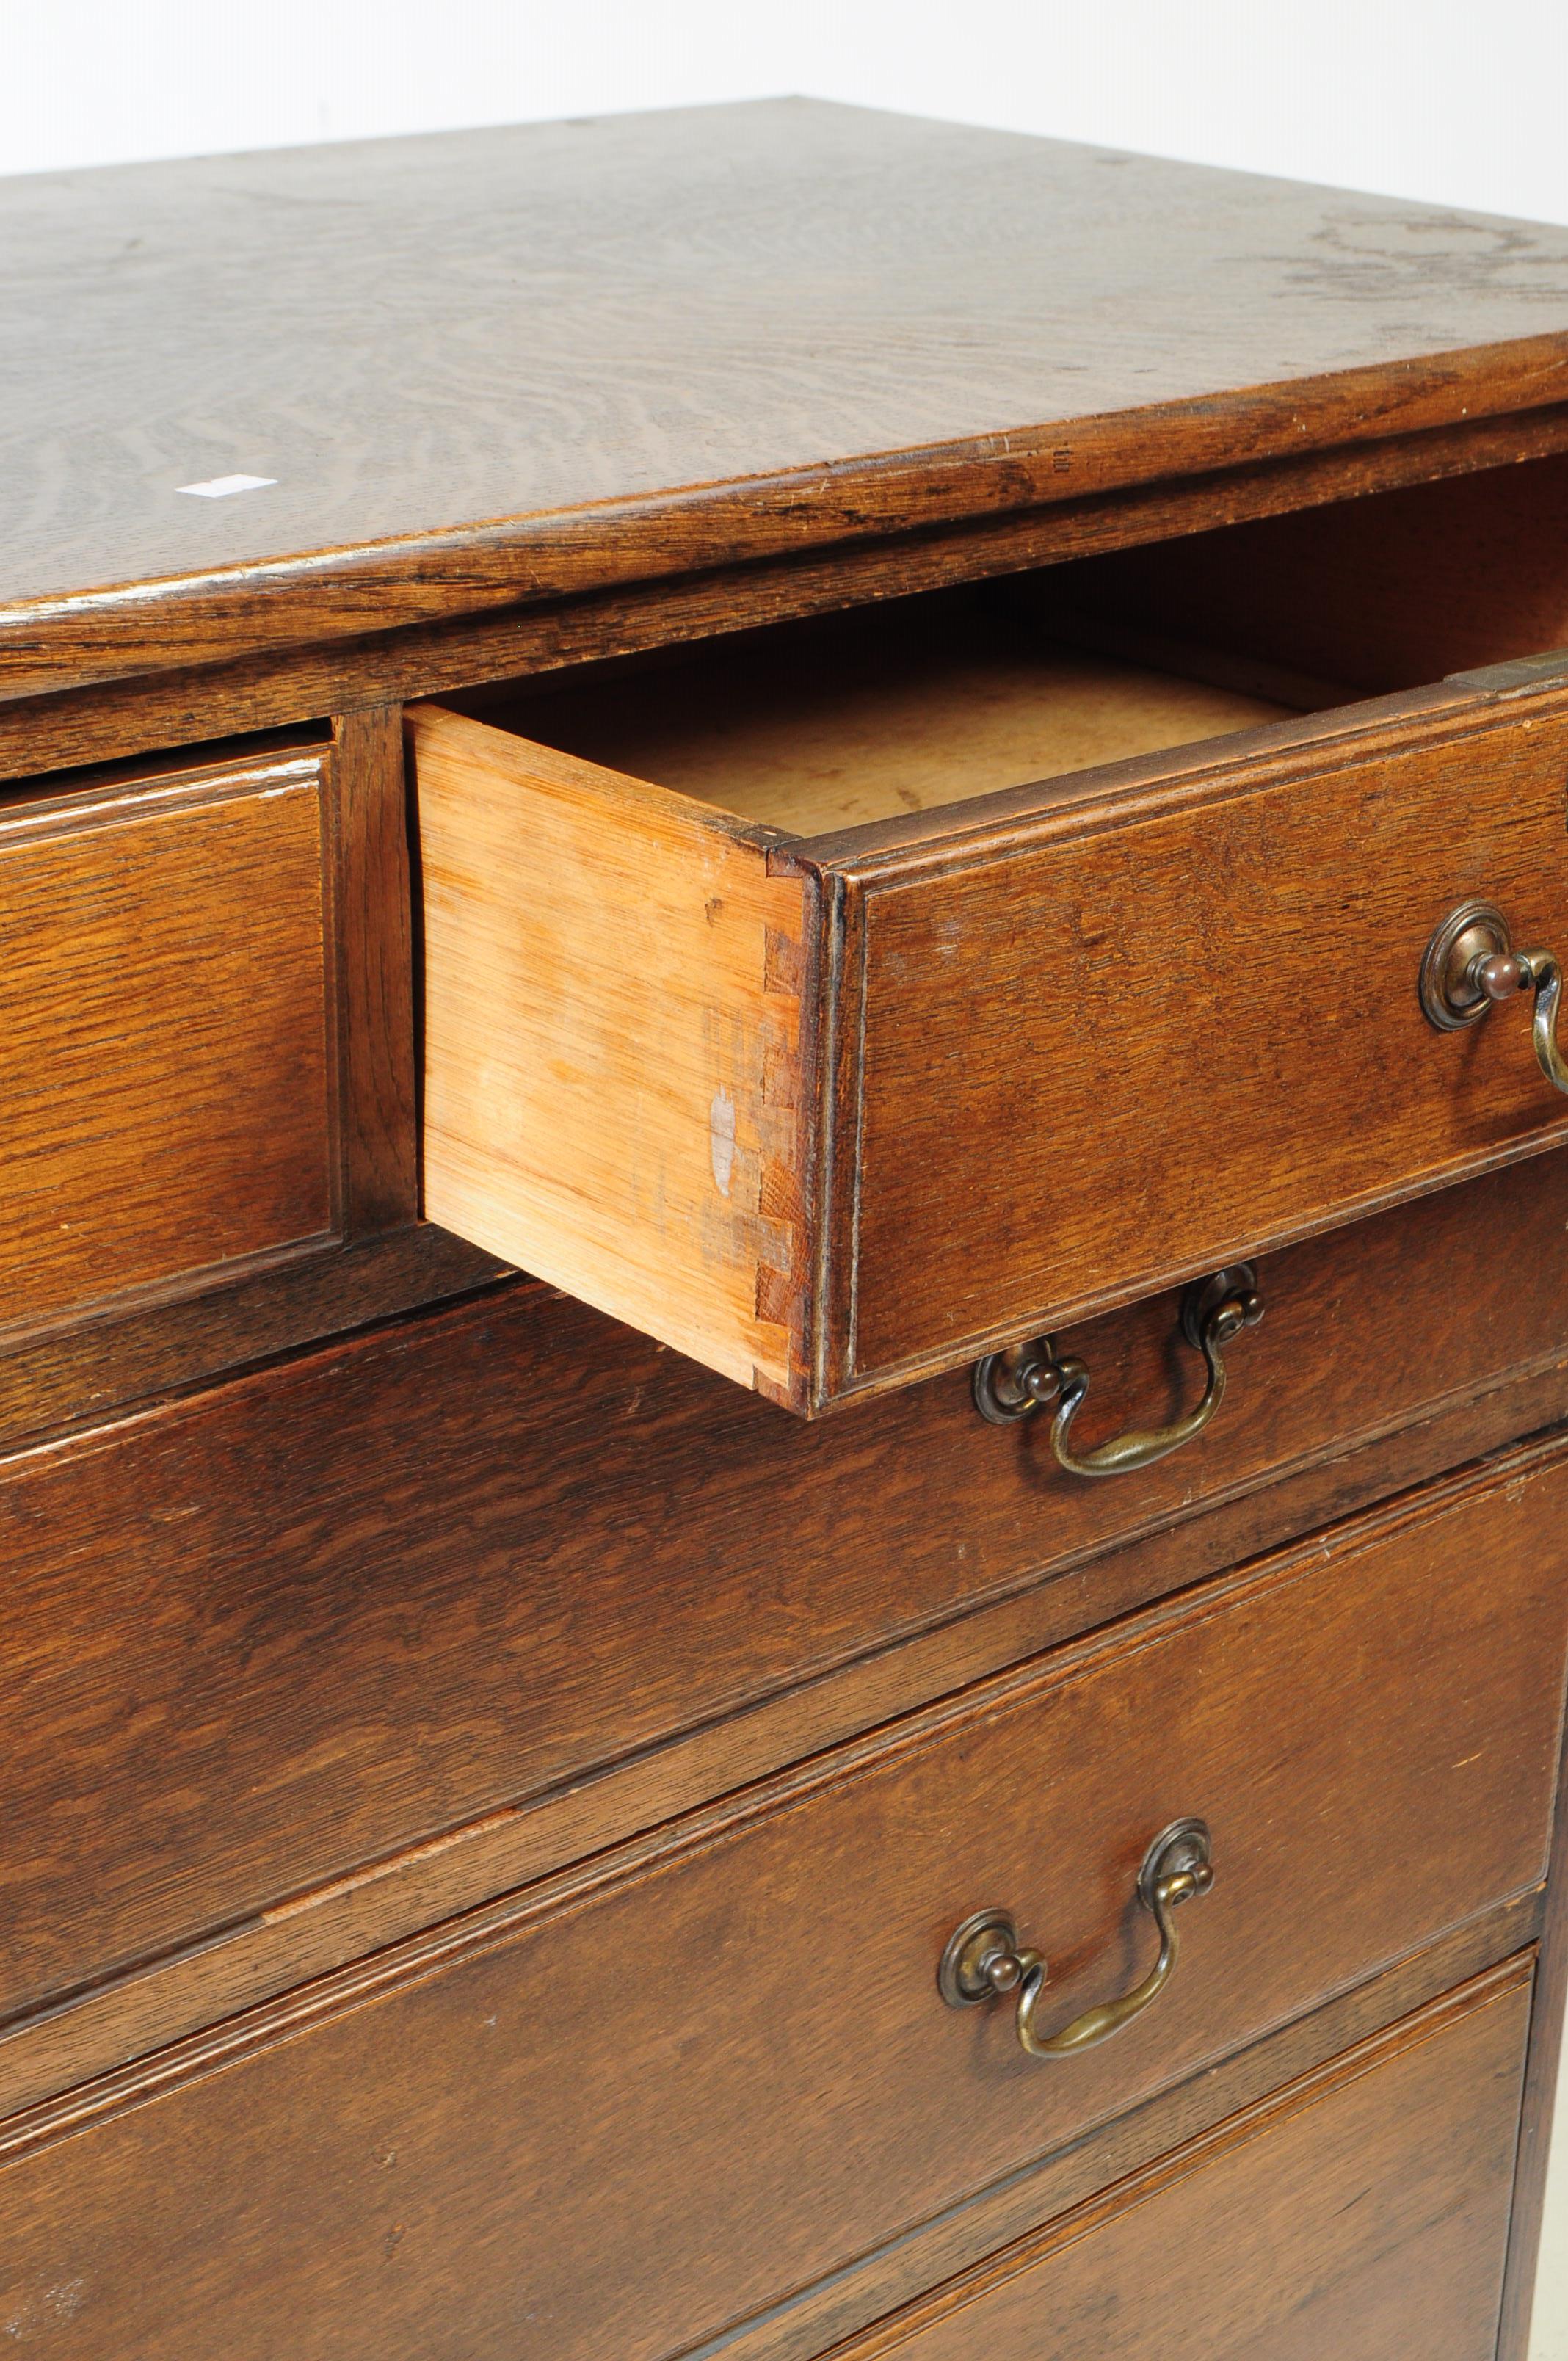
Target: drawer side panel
612	1041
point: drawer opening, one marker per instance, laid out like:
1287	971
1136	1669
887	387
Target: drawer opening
811	726
1326	605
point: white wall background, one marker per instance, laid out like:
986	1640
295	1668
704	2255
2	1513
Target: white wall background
1437	99
1443	99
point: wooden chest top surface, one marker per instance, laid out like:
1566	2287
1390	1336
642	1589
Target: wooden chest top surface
446	346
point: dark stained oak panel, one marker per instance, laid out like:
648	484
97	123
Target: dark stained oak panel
946	2255
581	1546
166	1008
1362	2212
736	2053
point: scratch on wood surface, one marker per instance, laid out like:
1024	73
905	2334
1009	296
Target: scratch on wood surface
722	1139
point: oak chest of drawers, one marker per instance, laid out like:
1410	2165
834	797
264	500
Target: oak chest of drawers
660	775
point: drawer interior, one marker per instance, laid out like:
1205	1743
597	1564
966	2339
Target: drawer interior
930	701
862	717
830	723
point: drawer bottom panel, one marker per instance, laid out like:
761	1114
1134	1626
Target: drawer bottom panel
1362	2212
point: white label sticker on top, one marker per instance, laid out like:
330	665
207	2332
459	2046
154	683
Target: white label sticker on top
221	487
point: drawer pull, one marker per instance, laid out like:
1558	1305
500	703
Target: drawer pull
984	1957
1471	964
1027	1378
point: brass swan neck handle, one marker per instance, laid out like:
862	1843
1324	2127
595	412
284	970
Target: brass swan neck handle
1011	1385
1471	966
985	1956
1506	973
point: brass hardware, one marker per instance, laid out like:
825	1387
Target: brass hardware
1471	964
1027	1378
983	1957
1474	933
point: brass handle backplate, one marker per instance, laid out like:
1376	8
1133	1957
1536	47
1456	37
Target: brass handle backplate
1027	1378
1471	964
984	1957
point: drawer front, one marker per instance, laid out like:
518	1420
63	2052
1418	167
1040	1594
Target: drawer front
1362	2212
583	1549
736	2053
1179	1021
165	1003
830	1114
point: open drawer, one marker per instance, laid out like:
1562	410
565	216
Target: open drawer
767	1012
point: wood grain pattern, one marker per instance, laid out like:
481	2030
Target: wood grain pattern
389	1901
324	1930
827	324
214	690
1193	1003
613	1047
168	1020
806	2324
815	1916
371	869
1361	2212
129	1353
586	1552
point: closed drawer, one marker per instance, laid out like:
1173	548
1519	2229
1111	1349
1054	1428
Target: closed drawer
165	1005
1364	2213
828	1099
733	2050
594	1585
